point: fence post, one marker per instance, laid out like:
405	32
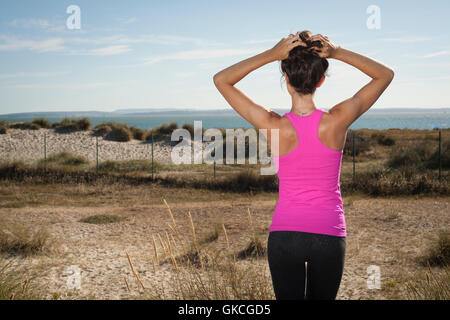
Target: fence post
353	147
440	161
214	168
45	150
96	153
153	167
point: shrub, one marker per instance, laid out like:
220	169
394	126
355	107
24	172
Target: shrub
189	127
67	125
161	131
433	161
102	130
383	140
42	122
121	134
3	129
414	155
168	128
403	181
137	133
362	144
25	126
84	124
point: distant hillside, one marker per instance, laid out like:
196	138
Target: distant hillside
166	111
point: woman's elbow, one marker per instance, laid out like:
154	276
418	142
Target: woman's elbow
217	79
390	74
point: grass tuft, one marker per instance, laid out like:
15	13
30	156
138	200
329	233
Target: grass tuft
17	239
64	158
15	284
435	286
254	249
102	219
439	251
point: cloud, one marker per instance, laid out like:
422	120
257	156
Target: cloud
436	54
30	23
407	39
110	50
14	44
203	54
274	41
185	74
127	20
37	23
88	85
145	38
31	75
114	44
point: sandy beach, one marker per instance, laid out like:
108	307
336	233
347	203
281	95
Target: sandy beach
28	146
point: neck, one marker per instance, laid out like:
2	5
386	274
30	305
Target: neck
303	104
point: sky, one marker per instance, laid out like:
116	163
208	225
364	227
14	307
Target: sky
164	54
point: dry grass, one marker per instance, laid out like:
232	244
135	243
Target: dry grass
201	272
64	158
435	286
16	284
191	249
128	166
17	239
439	251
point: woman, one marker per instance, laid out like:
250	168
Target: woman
307	237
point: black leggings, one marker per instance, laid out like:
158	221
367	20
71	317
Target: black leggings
287	253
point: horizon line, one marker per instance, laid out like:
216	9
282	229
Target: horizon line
150	110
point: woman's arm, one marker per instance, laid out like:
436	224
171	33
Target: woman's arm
351	109
225	80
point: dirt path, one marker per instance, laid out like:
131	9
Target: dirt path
389	233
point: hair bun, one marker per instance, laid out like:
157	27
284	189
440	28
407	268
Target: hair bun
304	67
310	45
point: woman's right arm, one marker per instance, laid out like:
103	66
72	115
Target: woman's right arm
351	109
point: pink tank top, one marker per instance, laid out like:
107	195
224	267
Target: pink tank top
309	190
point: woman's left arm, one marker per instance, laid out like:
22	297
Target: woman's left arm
257	115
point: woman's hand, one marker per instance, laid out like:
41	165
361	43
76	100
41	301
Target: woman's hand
327	50
281	50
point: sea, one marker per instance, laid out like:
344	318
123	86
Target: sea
400	118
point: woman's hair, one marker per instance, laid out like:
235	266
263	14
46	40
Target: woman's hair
304	67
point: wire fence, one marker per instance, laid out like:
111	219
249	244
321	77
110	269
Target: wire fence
428	152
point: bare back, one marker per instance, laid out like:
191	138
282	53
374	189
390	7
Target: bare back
330	133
